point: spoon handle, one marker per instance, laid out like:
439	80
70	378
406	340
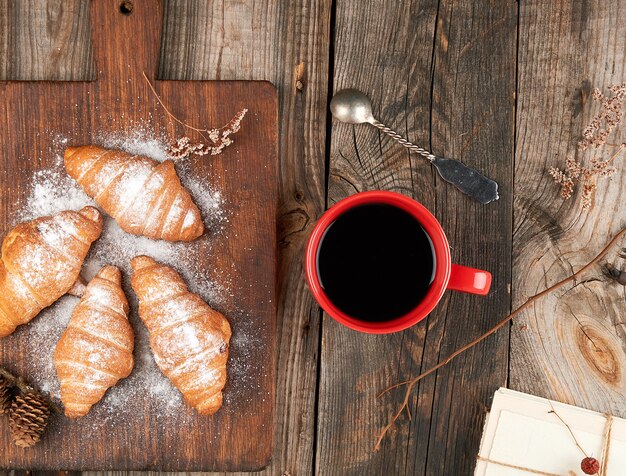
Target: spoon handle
468	180
398	138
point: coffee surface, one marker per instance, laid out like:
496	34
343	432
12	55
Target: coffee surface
376	262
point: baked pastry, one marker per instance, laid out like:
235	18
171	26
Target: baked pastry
96	349
189	340
41	261
144	196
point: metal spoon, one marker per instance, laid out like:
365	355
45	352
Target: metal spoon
354	107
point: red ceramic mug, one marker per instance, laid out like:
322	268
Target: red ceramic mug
447	275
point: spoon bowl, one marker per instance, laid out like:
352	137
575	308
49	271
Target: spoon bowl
351	106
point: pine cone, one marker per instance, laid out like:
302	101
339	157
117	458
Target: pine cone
28	418
6	395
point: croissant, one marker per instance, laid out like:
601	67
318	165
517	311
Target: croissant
189	340
41	261
144	196
96	349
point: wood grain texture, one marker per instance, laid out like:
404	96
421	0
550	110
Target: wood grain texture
80	110
298	39
566	48
45	40
443	73
224	39
571	346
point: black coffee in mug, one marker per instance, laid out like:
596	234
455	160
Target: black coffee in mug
376	262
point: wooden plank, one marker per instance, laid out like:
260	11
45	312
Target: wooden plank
45	40
290	48
303	31
23	22
245	176
442	73
223	39
4	38
571	346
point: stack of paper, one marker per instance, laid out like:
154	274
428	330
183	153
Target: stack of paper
522	437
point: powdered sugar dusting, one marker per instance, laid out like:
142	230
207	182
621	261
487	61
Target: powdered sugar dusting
43	334
210	202
140	141
132	180
55	233
51	191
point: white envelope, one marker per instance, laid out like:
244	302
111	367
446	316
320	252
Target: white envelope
521	432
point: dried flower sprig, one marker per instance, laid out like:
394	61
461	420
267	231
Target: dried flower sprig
219	138
214	139
609	116
595	136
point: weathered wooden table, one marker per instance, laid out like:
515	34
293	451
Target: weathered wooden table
502	85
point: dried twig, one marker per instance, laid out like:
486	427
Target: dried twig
184	124
569	428
409	384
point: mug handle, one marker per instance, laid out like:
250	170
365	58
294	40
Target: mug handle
469	280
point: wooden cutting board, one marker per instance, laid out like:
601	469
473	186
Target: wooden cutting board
240	435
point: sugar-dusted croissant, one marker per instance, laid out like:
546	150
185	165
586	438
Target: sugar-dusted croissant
144	196
96	349
41	261
189	340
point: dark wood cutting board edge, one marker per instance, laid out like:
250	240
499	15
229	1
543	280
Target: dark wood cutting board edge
125	45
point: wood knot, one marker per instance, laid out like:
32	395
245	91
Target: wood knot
598	353
126	8
298	76
292	223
